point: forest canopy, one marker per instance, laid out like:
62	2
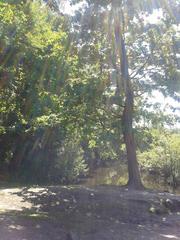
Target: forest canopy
77	89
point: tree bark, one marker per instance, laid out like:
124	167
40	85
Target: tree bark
133	169
127	118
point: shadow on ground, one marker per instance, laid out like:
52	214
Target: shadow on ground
82	213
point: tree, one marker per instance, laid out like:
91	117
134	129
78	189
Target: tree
46	92
34	43
81	77
136	47
127	116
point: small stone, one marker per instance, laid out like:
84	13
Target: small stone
88	214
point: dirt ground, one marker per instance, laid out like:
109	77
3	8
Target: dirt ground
82	213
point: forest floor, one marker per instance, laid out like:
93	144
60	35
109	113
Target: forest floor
82	213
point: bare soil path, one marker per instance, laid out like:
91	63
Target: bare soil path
82	213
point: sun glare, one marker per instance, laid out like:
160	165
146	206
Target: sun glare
66	7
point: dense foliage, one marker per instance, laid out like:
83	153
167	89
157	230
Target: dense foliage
62	94
162	157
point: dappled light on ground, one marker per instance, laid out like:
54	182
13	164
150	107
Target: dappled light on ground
10	201
85	213
17	227
169	236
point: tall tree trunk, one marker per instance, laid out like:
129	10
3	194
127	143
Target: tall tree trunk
127	118
133	170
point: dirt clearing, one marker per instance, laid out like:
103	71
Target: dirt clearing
82	213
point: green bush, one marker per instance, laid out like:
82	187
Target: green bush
163	157
69	164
